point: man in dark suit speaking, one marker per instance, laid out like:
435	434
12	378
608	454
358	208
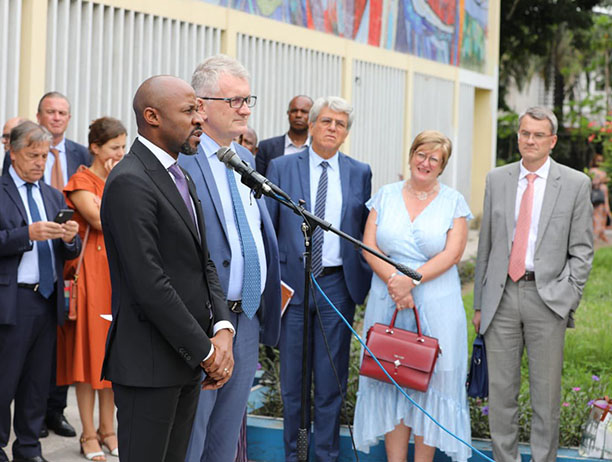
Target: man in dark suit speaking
170	319
33	249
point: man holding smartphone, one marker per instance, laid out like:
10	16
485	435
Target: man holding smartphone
32	254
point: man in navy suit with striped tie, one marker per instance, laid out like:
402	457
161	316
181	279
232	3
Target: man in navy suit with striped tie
336	188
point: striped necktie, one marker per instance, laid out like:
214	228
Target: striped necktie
317	236
45	262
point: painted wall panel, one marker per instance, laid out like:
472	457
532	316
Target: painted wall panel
10	42
448	31
464	149
377	135
278	73
432	109
90	62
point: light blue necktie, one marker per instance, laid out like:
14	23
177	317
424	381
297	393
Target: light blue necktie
319	211
45	263
251	279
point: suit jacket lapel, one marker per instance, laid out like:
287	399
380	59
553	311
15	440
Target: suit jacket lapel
345	178
304	174
162	180
551	193
11	190
70	161
510	189
211	185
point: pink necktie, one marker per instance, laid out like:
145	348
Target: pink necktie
516	268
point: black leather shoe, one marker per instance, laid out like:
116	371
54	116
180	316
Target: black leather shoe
44	431
32	459
60	425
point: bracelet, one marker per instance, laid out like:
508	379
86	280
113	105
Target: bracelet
392	276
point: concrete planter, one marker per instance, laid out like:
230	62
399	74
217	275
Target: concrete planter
265	443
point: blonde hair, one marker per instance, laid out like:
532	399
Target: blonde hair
435	139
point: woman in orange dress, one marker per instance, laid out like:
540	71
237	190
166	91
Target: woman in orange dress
81	343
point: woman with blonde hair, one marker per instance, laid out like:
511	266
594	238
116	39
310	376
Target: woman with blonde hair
422	224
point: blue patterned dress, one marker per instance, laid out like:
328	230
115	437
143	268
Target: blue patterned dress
380	407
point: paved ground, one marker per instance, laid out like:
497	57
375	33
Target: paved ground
59	449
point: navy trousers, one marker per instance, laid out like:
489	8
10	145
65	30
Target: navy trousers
327	397
26	351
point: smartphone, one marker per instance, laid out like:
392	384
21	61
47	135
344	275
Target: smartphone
63	216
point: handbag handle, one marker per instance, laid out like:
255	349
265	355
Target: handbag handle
78	268
416	316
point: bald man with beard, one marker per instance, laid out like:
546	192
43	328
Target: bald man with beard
170	319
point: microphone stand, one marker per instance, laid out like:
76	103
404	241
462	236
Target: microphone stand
308	226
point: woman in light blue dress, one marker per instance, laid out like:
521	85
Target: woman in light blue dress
423	224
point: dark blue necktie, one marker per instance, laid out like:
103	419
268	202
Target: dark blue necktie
251	279
317	236
45	263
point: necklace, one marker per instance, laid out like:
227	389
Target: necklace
422	195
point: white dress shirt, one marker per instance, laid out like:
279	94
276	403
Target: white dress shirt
291	148
538	197
333	203
27	271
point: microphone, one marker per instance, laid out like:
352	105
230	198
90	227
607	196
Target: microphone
249	176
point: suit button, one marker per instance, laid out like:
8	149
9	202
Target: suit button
99	247
225	263
209	305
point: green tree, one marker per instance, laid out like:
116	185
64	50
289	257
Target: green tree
535	37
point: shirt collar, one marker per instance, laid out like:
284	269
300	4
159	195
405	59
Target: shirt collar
289	142
211	147
316	159
61	146
542	172
19	182
166	159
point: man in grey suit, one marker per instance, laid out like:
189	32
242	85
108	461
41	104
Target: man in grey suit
534	256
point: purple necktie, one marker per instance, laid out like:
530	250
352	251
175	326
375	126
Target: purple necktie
181	184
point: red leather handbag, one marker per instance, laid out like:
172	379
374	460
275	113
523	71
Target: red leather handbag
408	357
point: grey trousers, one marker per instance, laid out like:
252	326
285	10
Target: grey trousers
523	321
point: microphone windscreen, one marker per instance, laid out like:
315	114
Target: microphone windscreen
224	154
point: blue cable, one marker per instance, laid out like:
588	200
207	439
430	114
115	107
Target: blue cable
391	378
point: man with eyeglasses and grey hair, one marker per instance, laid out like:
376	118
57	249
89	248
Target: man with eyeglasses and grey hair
534	256
336	188
243	246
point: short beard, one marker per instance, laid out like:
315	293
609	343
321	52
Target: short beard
187	149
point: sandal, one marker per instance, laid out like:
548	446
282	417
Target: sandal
96	455
102	439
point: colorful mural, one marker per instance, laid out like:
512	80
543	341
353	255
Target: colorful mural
447	31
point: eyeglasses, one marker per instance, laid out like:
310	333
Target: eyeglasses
327	121
421	157
235	102
525	135
6	136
